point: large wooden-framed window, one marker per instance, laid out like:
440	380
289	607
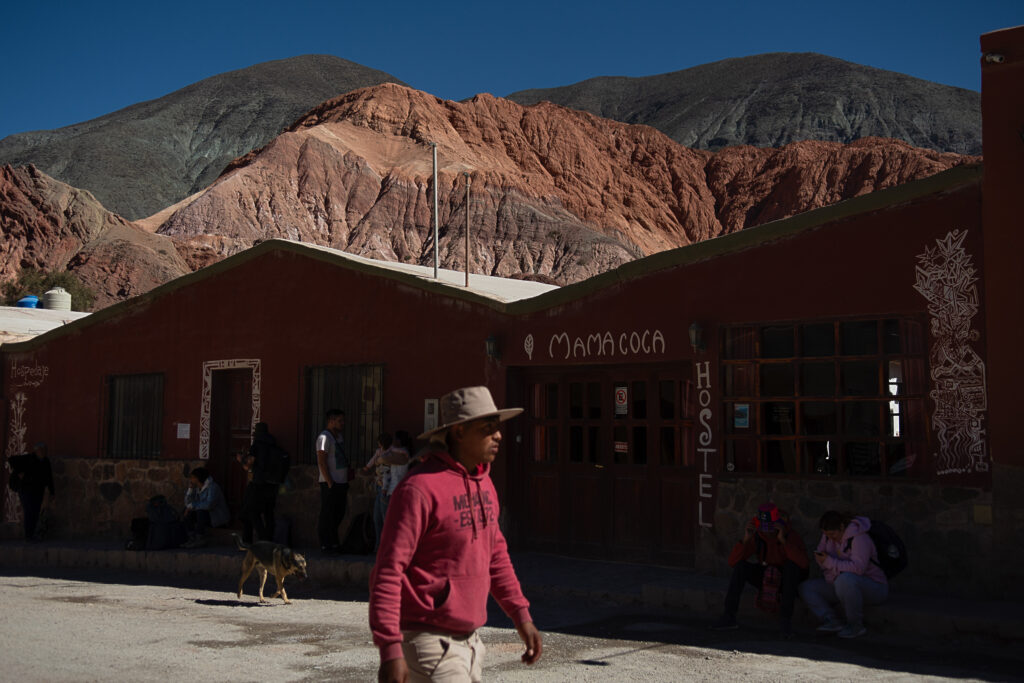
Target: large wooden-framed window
621	418
828	398
356	389
135	412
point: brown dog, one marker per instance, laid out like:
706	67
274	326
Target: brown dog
264	557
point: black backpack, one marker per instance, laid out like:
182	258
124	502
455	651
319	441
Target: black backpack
276	464
892	551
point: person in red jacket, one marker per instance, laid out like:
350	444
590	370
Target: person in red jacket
772	558
441	554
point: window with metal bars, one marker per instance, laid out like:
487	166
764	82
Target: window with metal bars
135	411
355	389
829	398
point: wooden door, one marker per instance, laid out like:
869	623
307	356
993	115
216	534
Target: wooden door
230	432
608	465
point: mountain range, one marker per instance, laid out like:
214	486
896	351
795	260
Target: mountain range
557	194
773	99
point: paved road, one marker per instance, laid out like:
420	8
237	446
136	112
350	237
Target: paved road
84	625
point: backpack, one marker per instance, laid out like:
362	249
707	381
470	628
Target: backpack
276	464
892	551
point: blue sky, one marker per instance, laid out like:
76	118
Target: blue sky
63	62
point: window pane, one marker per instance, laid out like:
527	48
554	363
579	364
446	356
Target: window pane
860	418
915	376
621	401
913	337
639	400
741	455
892	339
594	400
576	400
896	459
593	444
739	379
669	452
859	338
552	444
863	459
818	340
777	379
894	419
740	418
667	392
575	444
780	457
778	418
818	379
621	445
777	342
860	378
895	385
738	342
820	458
551	401
818	417
640	445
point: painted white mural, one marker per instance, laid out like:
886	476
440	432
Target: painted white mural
204	411
947	279
16	445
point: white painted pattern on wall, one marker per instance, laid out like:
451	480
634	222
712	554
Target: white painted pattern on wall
204	411
16	445
947	279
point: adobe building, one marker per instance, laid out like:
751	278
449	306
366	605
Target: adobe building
859	357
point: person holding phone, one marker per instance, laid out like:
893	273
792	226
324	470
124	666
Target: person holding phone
851	574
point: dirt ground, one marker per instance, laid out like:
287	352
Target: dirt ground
83	625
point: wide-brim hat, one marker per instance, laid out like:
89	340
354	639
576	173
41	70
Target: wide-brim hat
465	405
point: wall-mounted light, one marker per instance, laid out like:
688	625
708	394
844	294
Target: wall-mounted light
491	345
696	336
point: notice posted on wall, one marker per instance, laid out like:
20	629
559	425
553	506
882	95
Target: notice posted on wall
184	430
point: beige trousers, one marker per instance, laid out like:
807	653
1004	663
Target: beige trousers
441	657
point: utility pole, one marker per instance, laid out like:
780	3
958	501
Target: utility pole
468	181
437	255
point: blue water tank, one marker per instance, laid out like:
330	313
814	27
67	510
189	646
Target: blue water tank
30	301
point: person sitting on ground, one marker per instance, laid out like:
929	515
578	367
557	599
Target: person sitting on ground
852	576
771	557
205	507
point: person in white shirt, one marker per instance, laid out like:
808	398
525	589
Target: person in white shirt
333	464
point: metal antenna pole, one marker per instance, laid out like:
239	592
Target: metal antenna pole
437	256
468	181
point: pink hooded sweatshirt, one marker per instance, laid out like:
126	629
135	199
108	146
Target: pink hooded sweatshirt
855	553
440	555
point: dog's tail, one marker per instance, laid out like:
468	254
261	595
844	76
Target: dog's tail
241	544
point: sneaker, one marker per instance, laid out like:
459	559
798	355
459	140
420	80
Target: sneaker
831	626
853	631
726	623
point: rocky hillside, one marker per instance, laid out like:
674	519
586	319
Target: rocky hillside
143	158
772	100
556	193
48	225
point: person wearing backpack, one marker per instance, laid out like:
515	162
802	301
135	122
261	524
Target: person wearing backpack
267	464
851	574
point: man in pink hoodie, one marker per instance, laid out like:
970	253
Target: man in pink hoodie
442	553
852	575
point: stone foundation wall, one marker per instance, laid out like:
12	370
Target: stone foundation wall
947	530
98	498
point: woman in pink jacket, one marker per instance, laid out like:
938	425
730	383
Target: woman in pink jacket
849	563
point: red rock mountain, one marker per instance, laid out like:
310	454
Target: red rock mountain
48	225
556	193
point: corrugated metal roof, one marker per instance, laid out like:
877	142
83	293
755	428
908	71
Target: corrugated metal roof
499	288
19	324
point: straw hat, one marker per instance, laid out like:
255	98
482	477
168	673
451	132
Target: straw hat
466	404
